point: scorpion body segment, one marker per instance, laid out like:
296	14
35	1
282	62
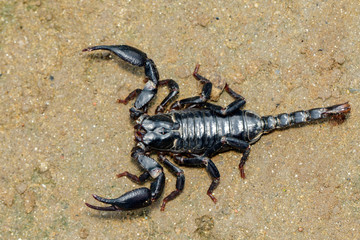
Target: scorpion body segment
191	132
194	130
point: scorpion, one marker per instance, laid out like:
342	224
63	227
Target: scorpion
191	131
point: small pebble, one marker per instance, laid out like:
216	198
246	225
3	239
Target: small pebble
83	233
203	20
339	58
218	86
29	201
43	167
21	188
182	72
7	196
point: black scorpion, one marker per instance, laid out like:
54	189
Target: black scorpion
191	132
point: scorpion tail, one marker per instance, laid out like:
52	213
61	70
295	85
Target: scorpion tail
284	120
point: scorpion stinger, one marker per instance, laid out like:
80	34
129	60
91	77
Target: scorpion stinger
192	132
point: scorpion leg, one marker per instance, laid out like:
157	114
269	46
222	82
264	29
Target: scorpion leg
180	180
242	162
239	145
234	143
130	97
235	105
202	79
141	179
174	90
210	168
205	93
233	93
140	197
138	58
232	107
205	96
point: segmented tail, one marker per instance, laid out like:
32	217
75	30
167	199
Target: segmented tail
285	120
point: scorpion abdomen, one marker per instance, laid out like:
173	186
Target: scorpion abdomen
201	128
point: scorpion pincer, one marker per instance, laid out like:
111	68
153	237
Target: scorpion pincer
191	131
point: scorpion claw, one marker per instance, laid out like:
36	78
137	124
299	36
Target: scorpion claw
109	208
129	54
87	49
134	199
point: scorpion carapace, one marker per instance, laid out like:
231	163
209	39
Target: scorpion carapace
191	132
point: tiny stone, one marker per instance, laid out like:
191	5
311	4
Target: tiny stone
304	50
339	58
43	167
49	17
7	196
83	233
21	188
324	94
29	201
203	20
218	86
182	72
204	224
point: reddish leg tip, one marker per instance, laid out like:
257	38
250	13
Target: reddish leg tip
122	101
197	66
212	197
163	206
242	173
121	175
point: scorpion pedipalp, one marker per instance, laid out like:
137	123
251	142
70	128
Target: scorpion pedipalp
137	198
137	58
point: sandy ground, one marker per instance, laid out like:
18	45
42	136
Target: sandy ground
64	137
